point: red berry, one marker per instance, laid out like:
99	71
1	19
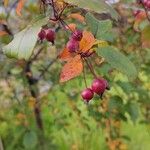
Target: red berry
50	36
87	94
77	35
99	86
42	34
72	45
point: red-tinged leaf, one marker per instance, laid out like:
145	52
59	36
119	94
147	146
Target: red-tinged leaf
65	54
71	69
20	6
139	18
87	41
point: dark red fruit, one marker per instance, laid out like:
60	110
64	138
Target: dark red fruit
50	36
77	35
99	86
87	94
72	45
42	34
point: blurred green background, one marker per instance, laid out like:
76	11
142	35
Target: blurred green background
121	121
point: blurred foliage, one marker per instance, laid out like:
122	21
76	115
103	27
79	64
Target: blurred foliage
120	121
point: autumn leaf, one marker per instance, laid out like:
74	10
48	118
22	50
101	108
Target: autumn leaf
71	26
71	69
77	16
87	41
2	33
20	6
139	18
65	54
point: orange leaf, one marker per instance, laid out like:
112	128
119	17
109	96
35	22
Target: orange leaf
71	69
20	6
87	41
77	16
2	33
65	54
71	26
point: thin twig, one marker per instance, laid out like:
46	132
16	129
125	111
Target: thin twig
84	74
90	67
48	66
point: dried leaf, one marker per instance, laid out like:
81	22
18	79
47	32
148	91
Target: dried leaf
71	69
87	41
19	7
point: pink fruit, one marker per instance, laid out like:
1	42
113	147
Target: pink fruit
72	45
87	94
50	35
99	86
77	35
42	34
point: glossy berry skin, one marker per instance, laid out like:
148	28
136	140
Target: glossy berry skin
99	86
72	45
77	35
87	94
50	35
42	34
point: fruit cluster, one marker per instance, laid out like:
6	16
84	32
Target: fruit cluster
99	86
73	43
146	3
48	34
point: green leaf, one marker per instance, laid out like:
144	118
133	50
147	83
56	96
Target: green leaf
30	140
115	103
92	23
133	110
100	28
21	47
98	6
117	60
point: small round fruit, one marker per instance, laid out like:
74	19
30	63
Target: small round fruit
77	35
72	45
87	94
42	34
99	86
50	36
